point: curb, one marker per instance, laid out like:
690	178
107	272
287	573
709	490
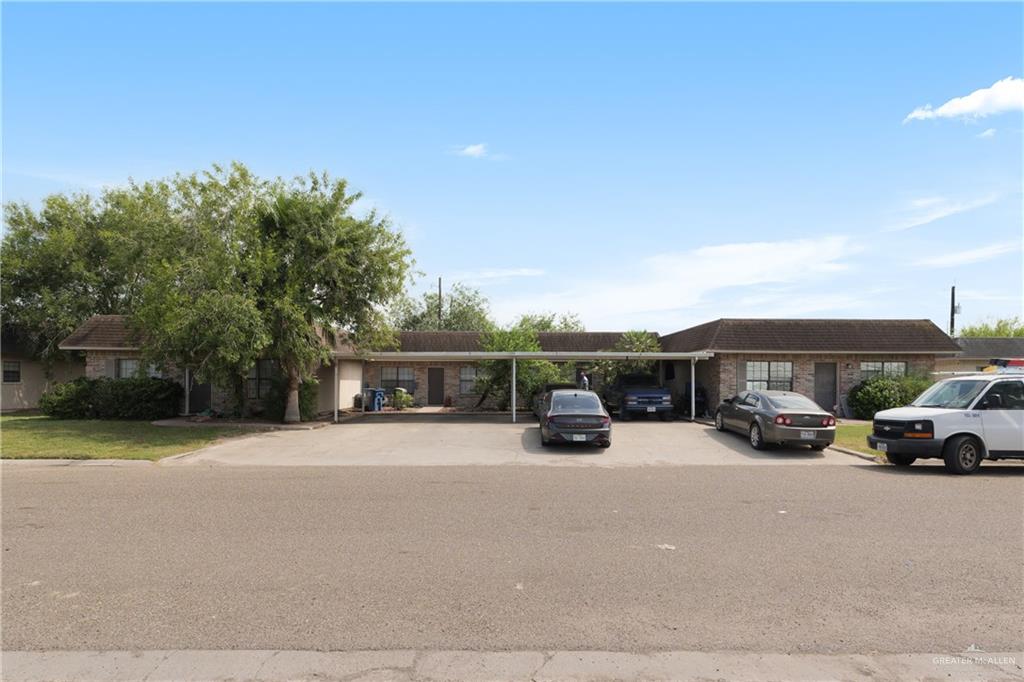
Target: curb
862	455
55	462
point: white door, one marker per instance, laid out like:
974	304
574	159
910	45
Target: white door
1002	416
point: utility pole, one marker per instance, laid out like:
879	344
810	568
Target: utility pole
439	304
952	311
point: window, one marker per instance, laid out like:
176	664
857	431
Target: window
126	368
261	378
752	400
575	402
397	377
889	369
1004	395
12	371
467	380
769	376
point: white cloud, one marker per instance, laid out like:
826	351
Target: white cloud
666	288
473	151
987	133
929	209
958	258
1003	96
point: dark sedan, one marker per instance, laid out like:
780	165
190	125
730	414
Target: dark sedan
574	416
777	417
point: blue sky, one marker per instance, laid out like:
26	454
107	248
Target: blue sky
646	166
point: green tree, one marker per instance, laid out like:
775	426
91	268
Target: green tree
199	306
323	270
61	265
495	376
463	308
635	341
1003	327
550	322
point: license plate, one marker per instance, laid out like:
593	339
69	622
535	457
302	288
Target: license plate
579	436
807	435
882	447
650	409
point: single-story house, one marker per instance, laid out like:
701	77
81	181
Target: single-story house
25	378
822	359
977	352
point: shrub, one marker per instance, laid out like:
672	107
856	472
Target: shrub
274	403
403	400
136	398
71	400
884	393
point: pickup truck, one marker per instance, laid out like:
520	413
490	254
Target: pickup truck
638	394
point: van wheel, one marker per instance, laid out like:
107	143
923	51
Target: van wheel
901	460
719	422
962	455
756	437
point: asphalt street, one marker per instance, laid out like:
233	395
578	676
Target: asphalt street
793	559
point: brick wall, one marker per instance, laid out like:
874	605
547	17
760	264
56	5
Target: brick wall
847	366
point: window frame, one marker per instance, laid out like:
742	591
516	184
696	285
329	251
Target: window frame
404	377
260	380
119	371
885	368
472	381
17	368
768	375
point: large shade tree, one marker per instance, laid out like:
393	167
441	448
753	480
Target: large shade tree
461	308
324	272
1002	327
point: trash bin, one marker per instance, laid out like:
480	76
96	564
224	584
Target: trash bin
373	399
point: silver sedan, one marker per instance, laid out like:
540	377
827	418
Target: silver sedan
777	417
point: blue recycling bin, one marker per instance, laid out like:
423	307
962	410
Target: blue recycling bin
373	399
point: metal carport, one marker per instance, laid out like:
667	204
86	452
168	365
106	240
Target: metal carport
514	356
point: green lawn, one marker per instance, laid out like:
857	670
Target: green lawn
24	437
855	437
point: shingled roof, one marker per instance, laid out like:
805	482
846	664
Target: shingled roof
112	332
101	332
990	348
553	342
812	336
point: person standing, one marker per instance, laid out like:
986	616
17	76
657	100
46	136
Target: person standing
584	381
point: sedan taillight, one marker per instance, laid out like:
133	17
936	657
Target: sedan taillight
784	420
828	421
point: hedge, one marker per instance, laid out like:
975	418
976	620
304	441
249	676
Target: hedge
884	393
136	398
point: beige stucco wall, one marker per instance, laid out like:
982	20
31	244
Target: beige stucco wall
350	380
954	364
25	394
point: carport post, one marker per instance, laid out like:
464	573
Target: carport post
513	390
335	390
693	390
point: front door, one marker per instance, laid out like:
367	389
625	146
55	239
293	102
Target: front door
435	386
198	397
825	385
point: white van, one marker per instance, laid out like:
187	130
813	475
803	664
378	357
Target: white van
963	420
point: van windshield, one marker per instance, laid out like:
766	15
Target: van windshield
954	394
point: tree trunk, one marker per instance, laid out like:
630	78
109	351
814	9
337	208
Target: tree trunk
291	406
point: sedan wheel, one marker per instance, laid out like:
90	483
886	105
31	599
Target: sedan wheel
719	422
756	438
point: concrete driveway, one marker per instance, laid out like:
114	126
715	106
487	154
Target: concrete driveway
448	440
